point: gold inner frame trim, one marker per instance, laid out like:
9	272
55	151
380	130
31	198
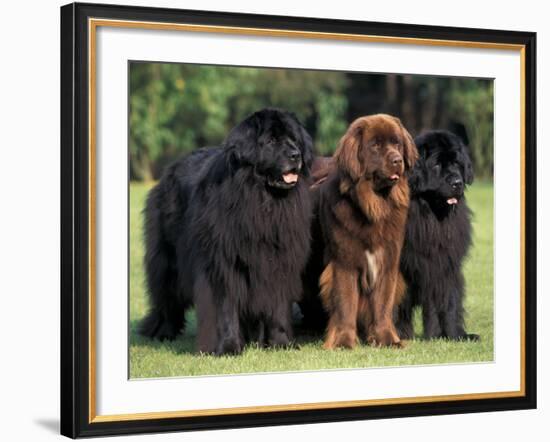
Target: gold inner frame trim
299	34
93	24
294	407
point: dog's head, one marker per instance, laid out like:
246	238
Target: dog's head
444	168
275	145
376	148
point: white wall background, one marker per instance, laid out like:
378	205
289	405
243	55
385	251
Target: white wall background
29	208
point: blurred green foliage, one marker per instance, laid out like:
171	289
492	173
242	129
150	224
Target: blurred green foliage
175	108
475	107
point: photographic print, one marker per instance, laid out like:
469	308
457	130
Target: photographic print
281	220
195	128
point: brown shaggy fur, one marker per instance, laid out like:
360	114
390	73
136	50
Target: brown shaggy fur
363	204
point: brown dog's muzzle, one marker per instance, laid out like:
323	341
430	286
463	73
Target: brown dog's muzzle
394	163
396	160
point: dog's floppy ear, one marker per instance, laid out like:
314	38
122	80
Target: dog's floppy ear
308	152
418	177
347	154
241	142
468	167
307	149
410	153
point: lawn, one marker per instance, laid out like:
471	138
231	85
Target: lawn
150	358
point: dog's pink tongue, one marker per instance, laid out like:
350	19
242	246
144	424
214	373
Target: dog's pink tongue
452	201
290	177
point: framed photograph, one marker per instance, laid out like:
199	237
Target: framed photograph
272	220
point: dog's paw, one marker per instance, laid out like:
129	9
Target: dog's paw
341	339
384	337
469	337
229	346
278	336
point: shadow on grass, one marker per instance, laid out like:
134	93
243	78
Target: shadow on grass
185	342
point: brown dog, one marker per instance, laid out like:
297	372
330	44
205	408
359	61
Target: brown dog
362	210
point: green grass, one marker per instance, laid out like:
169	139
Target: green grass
149	358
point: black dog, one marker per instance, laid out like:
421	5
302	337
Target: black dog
227	229
438	236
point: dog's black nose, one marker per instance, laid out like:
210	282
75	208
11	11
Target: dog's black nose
456	183
294	155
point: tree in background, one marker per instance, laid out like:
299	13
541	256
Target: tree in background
175	108
462	105
473	106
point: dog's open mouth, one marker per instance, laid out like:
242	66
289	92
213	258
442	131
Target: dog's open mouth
452	201
391	180
385	180
290	177
286	180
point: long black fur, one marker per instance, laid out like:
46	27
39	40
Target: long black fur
437	239
224	232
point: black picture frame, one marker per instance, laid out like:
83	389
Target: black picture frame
75	219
